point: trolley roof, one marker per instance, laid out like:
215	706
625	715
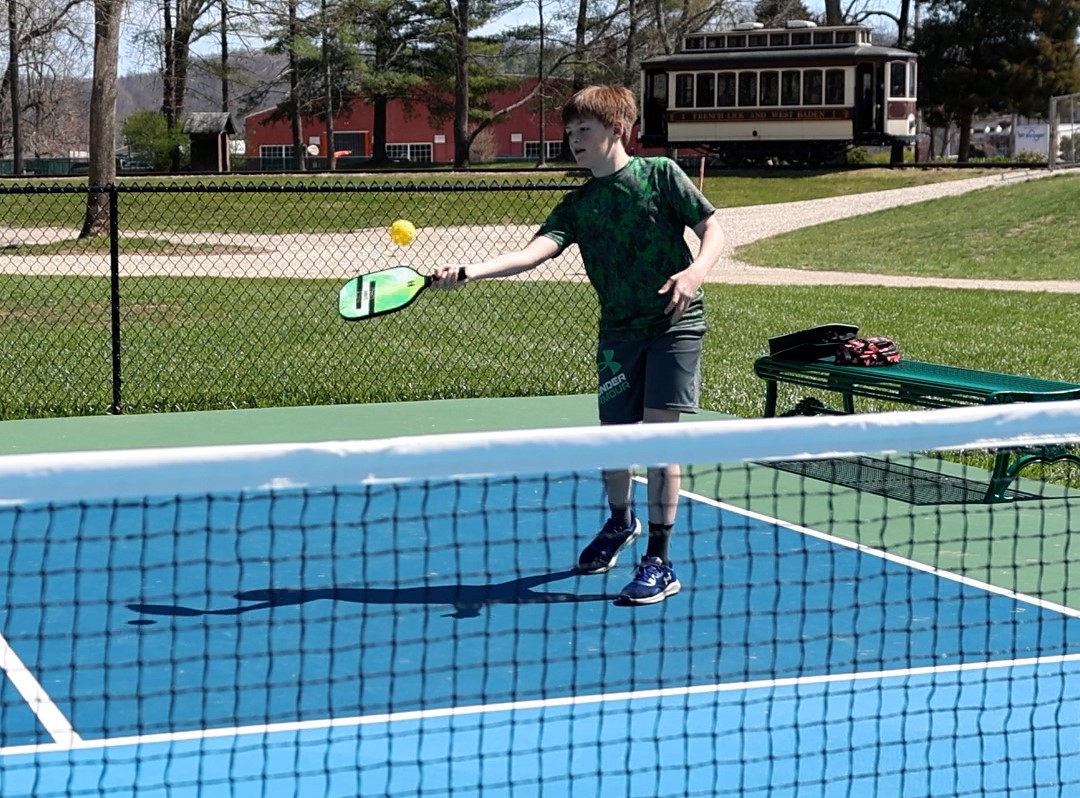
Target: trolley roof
751	59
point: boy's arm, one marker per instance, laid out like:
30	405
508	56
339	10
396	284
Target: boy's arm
684	285
529	257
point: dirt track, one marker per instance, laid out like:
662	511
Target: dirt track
342	255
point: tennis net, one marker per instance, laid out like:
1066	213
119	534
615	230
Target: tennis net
859	615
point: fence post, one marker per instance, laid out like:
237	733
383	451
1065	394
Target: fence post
114	294
1052	147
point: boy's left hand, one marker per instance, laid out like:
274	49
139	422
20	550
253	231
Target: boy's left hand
683	286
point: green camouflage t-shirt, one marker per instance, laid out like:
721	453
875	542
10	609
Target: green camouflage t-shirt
630	228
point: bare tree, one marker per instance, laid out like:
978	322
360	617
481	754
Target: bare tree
54	107
299	160
29	27
904	25
459	13
181	18
540	77
103	114
860	12
13	88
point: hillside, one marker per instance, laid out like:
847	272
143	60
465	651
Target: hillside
252	87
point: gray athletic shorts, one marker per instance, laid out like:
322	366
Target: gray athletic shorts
662	373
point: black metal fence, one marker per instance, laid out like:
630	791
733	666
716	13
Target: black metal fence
225	296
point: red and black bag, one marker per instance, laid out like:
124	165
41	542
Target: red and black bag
877	351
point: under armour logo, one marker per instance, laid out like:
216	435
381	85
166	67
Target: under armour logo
607	361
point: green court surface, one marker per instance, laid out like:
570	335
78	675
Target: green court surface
1021	546
298	424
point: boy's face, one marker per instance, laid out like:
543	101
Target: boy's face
594	146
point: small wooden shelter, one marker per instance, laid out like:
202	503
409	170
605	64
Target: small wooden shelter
210	133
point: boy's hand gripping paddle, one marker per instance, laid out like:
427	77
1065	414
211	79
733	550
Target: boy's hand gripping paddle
382	292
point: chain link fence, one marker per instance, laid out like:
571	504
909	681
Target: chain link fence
225	296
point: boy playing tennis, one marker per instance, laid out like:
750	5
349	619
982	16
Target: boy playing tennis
629	222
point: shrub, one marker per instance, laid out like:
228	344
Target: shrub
148	138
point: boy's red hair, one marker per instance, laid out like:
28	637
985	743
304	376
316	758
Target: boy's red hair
606	104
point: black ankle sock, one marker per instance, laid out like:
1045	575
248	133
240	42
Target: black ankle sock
659	535
624	515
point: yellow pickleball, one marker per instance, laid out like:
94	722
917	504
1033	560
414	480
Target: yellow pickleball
402	232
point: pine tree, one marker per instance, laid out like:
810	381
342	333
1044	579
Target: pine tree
995	56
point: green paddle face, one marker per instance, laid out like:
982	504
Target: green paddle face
380	292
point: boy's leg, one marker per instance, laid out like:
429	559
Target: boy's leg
619	489
672	387
620	377
619	531
664	485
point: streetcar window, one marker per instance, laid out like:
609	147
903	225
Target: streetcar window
714	43
800	39
706	90
770	88
789	87
779	40
823	37
845	37
911	83
659	87
684	91
736	41
897	79
811	88
748	88
695	43
725	89
758	40
834	87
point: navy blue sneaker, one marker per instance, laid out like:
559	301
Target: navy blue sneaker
602	554
653	582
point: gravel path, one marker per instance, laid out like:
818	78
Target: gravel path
343	255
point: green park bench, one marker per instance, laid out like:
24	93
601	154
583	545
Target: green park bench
920	384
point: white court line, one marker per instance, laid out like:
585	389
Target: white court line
73	742
530	705
41	704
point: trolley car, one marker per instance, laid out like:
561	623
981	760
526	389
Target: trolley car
801	94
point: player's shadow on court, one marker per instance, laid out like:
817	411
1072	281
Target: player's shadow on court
467	600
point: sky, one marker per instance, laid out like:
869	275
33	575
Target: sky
526	12
134	59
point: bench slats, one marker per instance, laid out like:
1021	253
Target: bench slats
916	382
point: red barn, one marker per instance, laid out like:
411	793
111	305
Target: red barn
409	132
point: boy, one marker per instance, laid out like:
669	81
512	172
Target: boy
629	220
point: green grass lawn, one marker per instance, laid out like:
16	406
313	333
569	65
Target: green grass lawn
1024	231
277	204
196	343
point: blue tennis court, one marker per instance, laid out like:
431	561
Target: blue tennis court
433	639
